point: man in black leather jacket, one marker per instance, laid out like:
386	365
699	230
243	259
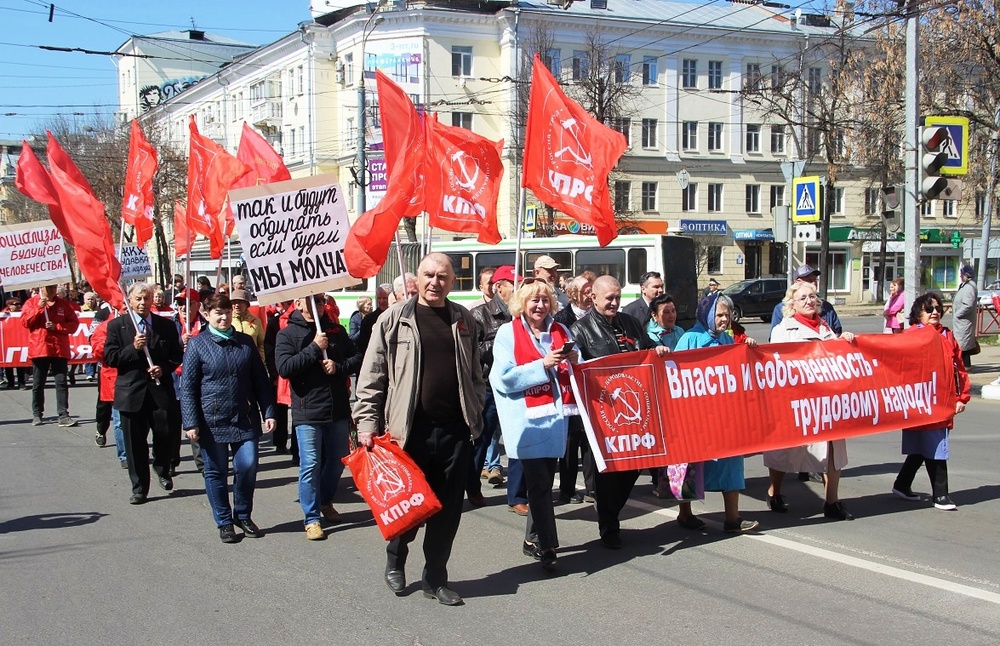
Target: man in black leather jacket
603	332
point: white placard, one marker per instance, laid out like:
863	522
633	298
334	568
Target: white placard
293	236
32	254
135	261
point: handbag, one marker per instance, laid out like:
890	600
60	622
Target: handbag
393	486
976	349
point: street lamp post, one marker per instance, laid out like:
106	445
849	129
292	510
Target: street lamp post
362	107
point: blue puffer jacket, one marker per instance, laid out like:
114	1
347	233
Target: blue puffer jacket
224	385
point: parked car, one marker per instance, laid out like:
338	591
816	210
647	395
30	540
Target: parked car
756	297
986	295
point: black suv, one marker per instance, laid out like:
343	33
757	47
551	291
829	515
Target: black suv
756	297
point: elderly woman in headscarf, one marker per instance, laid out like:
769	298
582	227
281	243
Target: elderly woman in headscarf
725	474
802	322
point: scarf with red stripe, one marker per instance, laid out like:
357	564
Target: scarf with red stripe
540	399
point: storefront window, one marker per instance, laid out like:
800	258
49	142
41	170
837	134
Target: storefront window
939	273
839	268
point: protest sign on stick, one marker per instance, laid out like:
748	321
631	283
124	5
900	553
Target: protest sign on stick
292	234
32	254
135	261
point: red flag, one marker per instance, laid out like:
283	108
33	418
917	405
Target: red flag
137	207
34	181
182	235
462	175
266	166
568	155
85	226
211	173
368	241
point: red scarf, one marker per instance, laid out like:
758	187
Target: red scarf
812	324
540	399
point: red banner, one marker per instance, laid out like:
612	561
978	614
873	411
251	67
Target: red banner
642	411
14	340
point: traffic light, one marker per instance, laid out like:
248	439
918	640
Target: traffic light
933	138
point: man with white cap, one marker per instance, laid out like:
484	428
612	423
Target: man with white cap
806	274
547	269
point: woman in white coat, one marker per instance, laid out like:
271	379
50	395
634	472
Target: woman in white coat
802	322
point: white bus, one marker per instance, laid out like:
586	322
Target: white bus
626	258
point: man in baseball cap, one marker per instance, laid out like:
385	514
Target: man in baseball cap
547	269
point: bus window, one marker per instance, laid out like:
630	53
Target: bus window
465	279
636	265
564	258
603	262
493	259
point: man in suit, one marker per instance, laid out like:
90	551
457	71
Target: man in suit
651	284
144	394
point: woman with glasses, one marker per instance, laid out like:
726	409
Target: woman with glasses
802	322
929	445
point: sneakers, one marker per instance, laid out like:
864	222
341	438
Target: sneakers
227	534
496	477
836	511
36	421
100	439
944	503
485	474
739	526
330	514
905	494
314	532
66	421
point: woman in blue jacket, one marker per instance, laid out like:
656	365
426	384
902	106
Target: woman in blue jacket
530	379
224	385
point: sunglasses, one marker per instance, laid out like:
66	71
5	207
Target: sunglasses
929	308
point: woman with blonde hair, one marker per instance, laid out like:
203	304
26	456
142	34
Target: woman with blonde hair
801	322
530	378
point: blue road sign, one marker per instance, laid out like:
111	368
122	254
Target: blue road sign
806	205
957	145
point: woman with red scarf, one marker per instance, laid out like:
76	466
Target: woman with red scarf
802	322
530	379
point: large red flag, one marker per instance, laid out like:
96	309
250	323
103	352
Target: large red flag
265	164
137	207
182	235
85	226
568	155
211	173
368	241
34	181
462	175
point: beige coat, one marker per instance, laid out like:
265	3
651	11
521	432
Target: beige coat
251	326
812	458
390	373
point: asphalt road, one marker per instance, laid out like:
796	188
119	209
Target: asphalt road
81	566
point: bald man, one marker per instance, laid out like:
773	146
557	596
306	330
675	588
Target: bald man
422	380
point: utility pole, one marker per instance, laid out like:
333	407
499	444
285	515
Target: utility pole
911	191
362	174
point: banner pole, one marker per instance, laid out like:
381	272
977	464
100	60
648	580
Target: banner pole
315	310
521	200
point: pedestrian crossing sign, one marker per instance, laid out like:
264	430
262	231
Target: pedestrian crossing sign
807	204
956	145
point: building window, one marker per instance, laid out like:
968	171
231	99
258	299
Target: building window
649	70
623	68
752	81
815	82
581	65
351	134
302	140
839	268
753	138
689	135
689	198
291	142
714	137
649	133
871	201
649	196
461	60
980	205
777	195
462	120
927	209
552	60
753	198
838	201
812	140
839	144
777	140
302	81
948	208
624	126
777	77
623	197
689	73
713	260
715	198
349	69
714	75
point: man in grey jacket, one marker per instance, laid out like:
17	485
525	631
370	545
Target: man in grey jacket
422	382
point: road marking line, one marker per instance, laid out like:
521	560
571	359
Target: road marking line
844	559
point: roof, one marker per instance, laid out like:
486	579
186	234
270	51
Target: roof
192	36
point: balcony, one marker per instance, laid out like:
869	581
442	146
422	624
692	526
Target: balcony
266	114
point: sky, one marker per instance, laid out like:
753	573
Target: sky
36	85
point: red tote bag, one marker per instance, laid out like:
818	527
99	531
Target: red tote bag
393	486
